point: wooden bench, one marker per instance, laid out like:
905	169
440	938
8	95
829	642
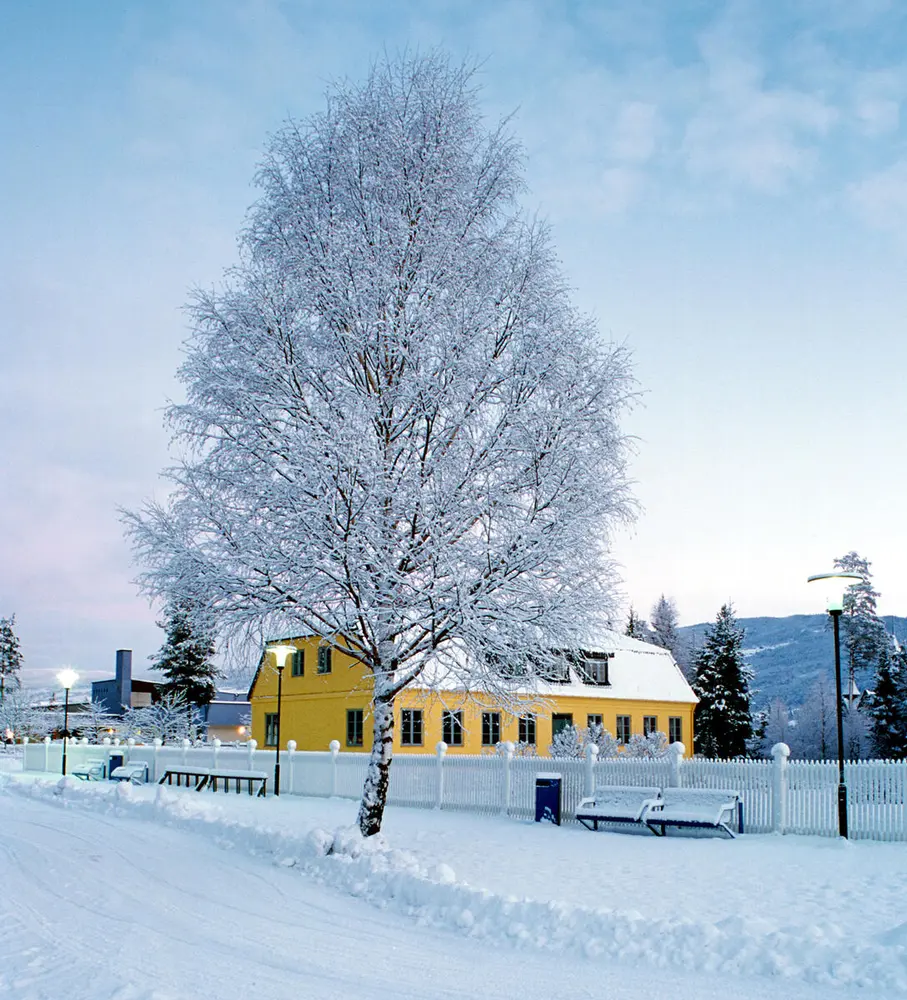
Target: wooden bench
94	770
136	772
618	804
251	779
713	808
197	776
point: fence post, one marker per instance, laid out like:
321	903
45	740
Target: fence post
105	743
252	745
24	753
185	757
675	757
130	743
507	755
291	764
157	743
335	749
780	753
591	758
440	750
46	752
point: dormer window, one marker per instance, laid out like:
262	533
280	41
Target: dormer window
592	667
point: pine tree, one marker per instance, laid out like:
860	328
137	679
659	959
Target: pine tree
865	638
722	682
637	628
664	624
185	657
10	655
888	707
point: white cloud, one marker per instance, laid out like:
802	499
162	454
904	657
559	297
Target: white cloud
881	198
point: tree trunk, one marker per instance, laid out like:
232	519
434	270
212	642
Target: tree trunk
374	792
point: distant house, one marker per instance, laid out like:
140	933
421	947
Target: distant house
625	685
124	691
227	717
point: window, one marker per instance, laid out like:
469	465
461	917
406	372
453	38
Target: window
554	668
354	727
324	659
527	729
649	724
675	730
297	663
452	728
592	667
560	723
411	727
593	720
623	728
270	729
491	729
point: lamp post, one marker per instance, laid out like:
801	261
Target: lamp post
280	657
67	677
835	585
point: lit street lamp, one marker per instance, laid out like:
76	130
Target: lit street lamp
280	657
67	677
835	584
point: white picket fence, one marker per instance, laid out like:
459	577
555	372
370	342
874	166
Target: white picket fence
780	795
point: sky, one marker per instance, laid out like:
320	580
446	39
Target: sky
727	188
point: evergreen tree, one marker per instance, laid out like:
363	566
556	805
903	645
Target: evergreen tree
722	682
10	655
664	623
637	628
888	707
865	638
185	657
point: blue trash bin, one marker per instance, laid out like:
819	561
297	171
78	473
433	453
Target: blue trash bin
548	797
116	760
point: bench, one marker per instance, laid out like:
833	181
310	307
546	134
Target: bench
713	808
136	772
251	779
618	804
197	776
94	770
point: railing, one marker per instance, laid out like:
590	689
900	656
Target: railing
780	795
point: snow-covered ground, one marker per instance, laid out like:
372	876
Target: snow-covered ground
156	893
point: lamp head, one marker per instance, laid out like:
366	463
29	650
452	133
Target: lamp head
281	654
834	585
67	677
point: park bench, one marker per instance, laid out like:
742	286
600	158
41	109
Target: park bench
94	770
136	772
713	808
197	776
251	779
617	804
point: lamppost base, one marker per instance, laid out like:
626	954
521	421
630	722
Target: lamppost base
842	810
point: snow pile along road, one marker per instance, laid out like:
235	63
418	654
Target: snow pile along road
430	893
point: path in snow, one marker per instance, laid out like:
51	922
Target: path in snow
99	906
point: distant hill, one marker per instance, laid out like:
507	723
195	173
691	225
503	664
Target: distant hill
788	655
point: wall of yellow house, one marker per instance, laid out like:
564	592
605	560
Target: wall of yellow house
314	709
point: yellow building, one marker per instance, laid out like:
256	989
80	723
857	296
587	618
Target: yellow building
627	686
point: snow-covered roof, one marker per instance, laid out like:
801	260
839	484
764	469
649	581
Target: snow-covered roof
637	671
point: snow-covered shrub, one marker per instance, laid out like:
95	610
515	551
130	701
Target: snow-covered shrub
652	746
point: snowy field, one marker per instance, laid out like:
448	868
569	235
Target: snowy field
148	893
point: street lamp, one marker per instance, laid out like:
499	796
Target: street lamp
280	656
835	584
67	677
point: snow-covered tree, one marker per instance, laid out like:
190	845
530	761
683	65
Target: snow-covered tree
664	623
10	655
637	628
185	659
651	746
722	682
169	719
888	706
568	742
775	726
399	434
95	721
864	635
815	735
18	714
606	743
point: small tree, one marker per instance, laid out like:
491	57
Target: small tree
887	707
569	742
600	737
722	682
96	721
815	734
170	720
664	622
10	655
399	434
652	746
775	726
185	658
637	628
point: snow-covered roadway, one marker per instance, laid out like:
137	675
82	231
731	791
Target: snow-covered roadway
103	904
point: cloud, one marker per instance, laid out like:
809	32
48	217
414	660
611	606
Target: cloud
881	199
